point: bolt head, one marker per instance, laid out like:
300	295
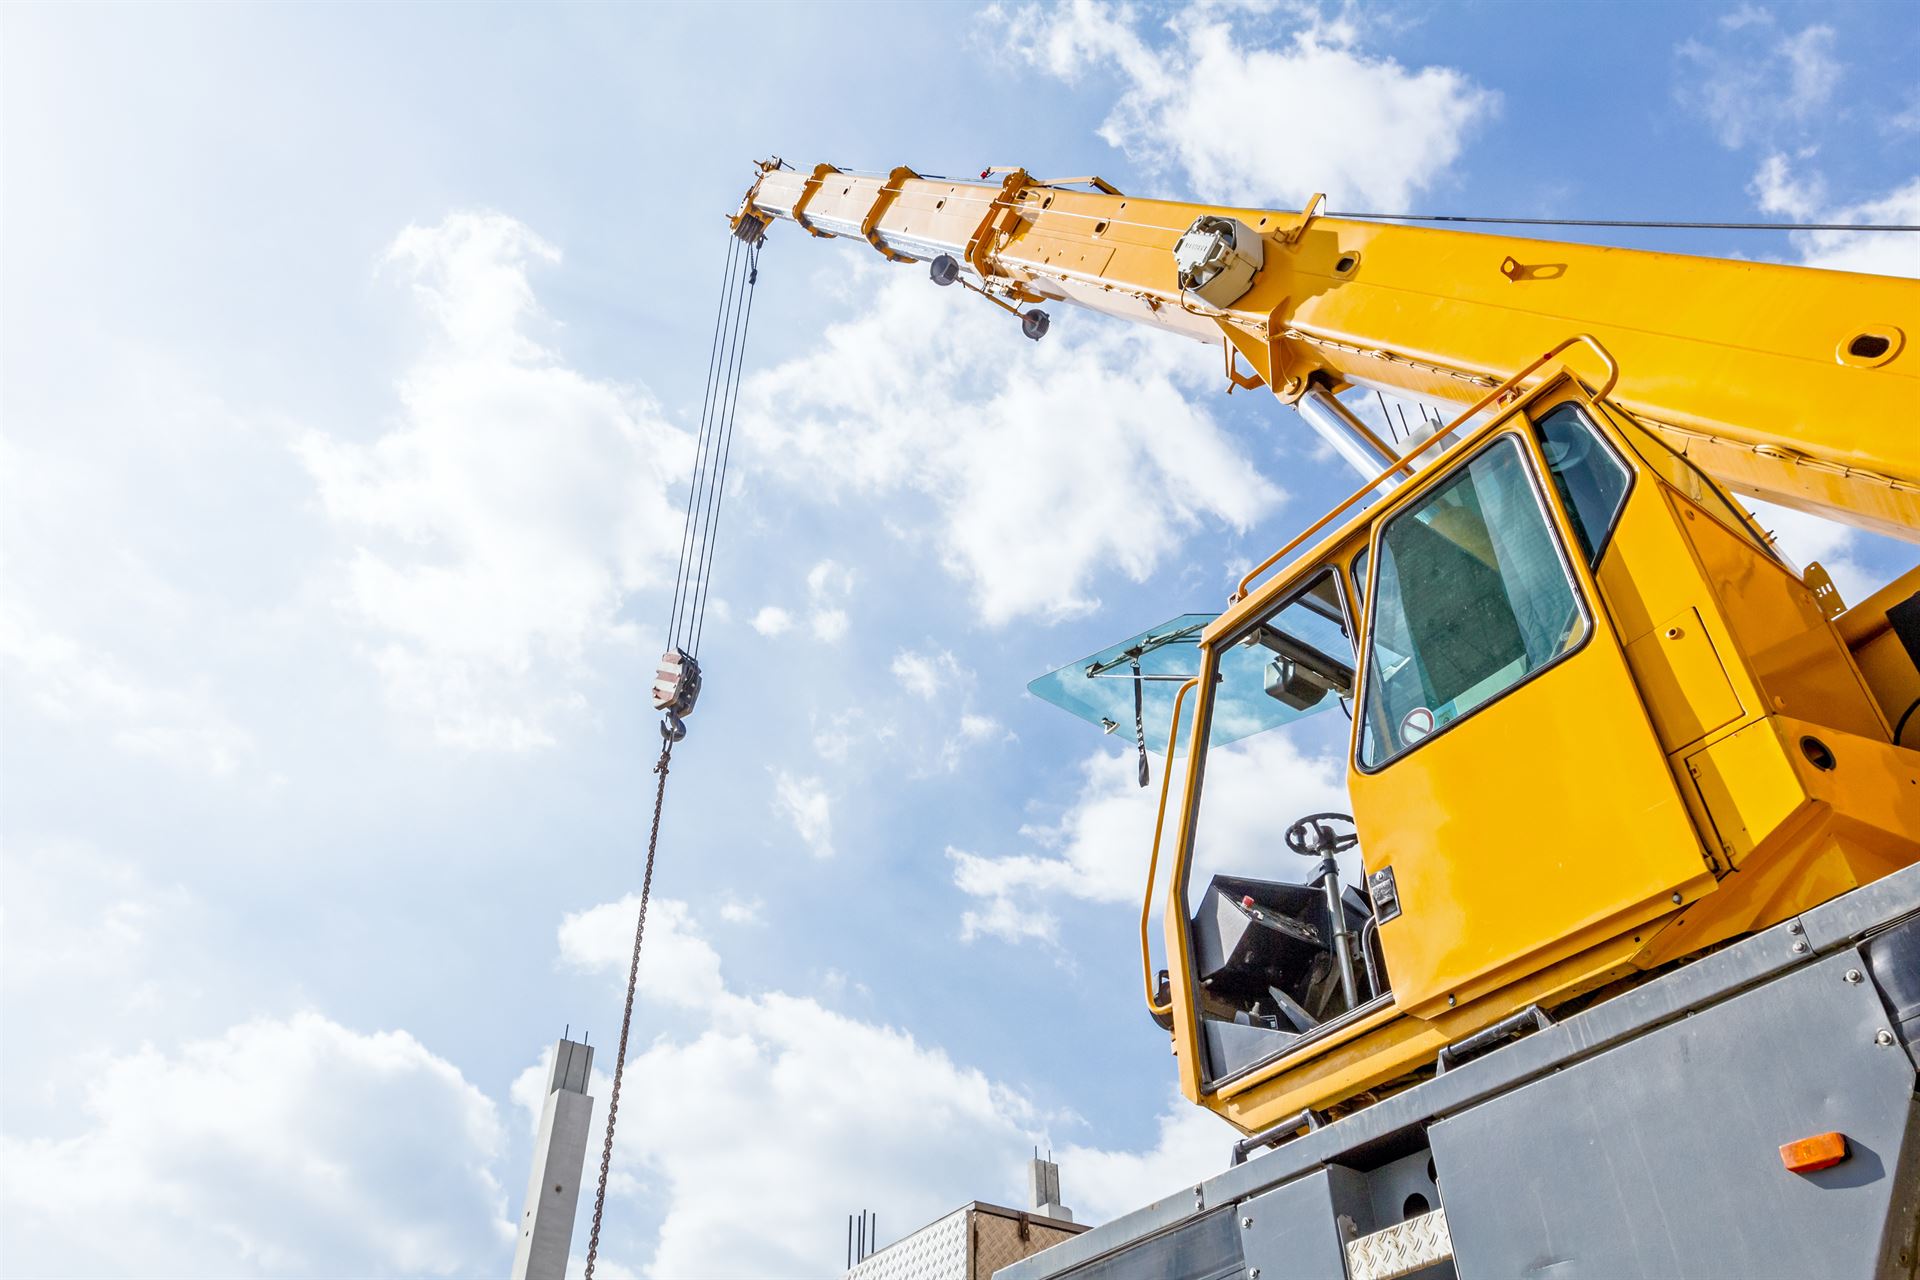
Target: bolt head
1799	948
1451	1002
1883	1037
1853	976
1245	1223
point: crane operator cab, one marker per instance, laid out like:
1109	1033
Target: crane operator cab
1449	666
1478	592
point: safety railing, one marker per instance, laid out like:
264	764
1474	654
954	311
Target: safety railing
1153	860
1492	397
1292	1127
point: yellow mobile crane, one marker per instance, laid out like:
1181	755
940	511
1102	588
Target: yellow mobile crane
1601	728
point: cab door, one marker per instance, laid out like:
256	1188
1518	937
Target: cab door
1504	771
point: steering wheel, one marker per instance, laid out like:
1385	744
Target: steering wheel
1314	837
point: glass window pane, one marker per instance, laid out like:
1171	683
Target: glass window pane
1592	481
1298	659
1471	597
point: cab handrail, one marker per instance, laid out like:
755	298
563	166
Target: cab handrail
1153	859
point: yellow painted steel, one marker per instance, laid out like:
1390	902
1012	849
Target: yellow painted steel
1742	366
1714	755
1154	1006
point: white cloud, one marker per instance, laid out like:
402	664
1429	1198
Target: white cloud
805	804
1088	436
736	910
283	1147
1757	81
926	675
829	580
1098	851
845	1112
1363	128
677	966
71	912
1190	1145
829	583
829	626
1781	187
1778	189
1805	538
773	621
509	511
977	728
68	682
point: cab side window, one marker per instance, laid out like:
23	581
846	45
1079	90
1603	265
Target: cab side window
1470	598
1591	478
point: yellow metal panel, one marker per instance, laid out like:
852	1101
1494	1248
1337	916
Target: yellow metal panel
1883	660
1873	790
1748	787
1406	1044
1546	812
1790	646
1682	680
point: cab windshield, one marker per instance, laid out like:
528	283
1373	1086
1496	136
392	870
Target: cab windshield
1282	941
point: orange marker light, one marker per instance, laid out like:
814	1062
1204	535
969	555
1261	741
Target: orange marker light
1822	1151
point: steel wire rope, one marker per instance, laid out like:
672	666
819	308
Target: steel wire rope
692	582
699	457
700	491
1674	224
699	562
693	488
724	406
726	445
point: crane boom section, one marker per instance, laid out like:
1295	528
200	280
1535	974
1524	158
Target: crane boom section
1791	384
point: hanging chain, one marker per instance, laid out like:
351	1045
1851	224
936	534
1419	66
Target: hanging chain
626	1017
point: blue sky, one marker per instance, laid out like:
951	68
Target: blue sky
350	357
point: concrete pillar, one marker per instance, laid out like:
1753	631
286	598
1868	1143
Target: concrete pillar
1043	1189
559	1164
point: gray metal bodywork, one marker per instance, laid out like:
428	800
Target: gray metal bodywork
1637	1138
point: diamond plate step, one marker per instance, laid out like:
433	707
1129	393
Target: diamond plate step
1400	1250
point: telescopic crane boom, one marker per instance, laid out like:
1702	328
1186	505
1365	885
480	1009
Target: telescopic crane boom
1811	406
